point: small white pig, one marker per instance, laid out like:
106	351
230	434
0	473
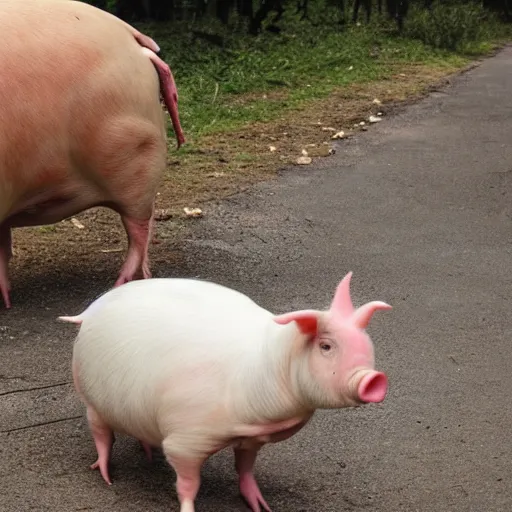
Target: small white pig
194	367
81	123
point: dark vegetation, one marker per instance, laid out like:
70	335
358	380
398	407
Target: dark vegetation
256	13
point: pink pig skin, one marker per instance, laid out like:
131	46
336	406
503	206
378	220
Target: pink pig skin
194	367
81	124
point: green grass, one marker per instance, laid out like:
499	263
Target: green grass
223	88
51	228
463	28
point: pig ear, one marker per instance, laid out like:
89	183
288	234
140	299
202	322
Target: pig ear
342	303
363	315
306	320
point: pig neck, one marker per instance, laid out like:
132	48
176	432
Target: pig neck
267	385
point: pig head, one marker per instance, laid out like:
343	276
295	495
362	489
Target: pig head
335	367
81	123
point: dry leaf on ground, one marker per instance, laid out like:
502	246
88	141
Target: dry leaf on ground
77	223
108	251
163	214
193	212
304	160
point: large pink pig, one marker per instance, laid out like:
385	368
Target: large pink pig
194	367
81	124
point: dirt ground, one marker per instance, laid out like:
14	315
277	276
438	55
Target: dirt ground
221	165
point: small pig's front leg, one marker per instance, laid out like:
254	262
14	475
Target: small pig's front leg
247	450
5	256
245	457
249	489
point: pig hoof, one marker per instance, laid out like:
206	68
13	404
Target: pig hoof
102	466
187	506
251	492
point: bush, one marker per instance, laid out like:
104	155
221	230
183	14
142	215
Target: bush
454	26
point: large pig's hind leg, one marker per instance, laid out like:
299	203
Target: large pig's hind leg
139	232
249	489
131	158
103	439
5	256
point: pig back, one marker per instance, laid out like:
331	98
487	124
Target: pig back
158	349
68	71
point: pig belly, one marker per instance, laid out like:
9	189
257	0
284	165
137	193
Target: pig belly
49	208
248	443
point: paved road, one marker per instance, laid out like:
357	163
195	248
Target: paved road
420	209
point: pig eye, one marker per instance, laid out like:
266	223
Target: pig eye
325	347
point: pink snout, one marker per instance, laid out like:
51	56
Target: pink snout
373	387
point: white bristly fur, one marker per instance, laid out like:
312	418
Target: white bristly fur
193	367
186	357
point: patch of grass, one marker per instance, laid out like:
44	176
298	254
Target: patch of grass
50	228
244	157
459	27
252	79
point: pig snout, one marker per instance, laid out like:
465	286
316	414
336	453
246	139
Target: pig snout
370	386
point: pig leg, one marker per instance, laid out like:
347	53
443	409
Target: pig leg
129	158
147	450
5	256
249	489
245	457
188	473
139	234
103	439
188	481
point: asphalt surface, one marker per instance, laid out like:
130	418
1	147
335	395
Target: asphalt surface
420	208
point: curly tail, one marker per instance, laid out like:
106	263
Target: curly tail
169	92
168	87
167	84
